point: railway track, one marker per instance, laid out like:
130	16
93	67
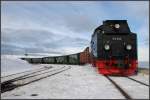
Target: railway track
22	74
25	75
123	88
124	93
30	78
137	81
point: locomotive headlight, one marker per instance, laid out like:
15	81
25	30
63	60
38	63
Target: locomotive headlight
128	47
117	26
107	47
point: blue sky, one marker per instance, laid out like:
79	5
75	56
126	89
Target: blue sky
57	28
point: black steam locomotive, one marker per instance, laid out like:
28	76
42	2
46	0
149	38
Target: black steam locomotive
114	48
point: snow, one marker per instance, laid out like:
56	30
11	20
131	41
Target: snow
26	73
134	89
79	82
141	77
11	64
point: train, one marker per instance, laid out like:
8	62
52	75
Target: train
112	51
73	59
114	48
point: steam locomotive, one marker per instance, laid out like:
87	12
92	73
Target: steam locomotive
114	48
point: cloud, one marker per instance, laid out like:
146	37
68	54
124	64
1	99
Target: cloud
133	9
39	41
137	8
73	18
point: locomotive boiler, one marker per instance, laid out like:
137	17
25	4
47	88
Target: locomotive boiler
114	48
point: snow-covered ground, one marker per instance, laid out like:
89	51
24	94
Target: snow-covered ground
141	77
75	83
134	89
11	64
79	82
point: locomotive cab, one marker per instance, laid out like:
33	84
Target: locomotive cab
114	48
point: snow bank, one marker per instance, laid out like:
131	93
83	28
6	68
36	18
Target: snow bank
11	64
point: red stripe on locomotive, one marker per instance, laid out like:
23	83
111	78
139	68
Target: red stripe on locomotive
108	68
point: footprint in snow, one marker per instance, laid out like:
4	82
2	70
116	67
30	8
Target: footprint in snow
34	94
67	74
19	94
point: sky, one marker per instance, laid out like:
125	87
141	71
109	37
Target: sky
65	27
